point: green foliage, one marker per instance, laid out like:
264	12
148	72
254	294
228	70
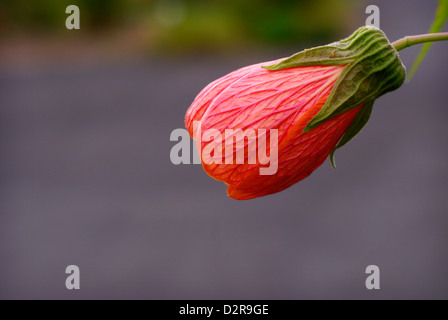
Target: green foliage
189	25
49	15
231	23
439	20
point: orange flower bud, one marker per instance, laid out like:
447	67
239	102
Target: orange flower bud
303	106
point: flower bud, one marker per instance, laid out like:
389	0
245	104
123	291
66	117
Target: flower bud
306	106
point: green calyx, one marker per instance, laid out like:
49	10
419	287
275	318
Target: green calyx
372	68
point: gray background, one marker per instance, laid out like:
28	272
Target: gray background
86	179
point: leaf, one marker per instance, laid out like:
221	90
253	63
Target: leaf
355	127
439	20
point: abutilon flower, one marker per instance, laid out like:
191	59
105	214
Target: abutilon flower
317	100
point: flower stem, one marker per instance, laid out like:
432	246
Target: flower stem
422	38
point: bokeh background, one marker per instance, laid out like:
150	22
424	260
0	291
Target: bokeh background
86	177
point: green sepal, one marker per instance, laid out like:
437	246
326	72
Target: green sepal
355	127
372	68
335	53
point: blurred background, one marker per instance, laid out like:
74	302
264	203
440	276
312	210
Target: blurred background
125	28
86	177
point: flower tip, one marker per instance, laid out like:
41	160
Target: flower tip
308	127
271	67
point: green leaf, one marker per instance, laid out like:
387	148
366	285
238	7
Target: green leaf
355	127
439	20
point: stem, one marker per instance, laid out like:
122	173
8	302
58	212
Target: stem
422	38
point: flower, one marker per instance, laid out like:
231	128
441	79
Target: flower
286	100
311	104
